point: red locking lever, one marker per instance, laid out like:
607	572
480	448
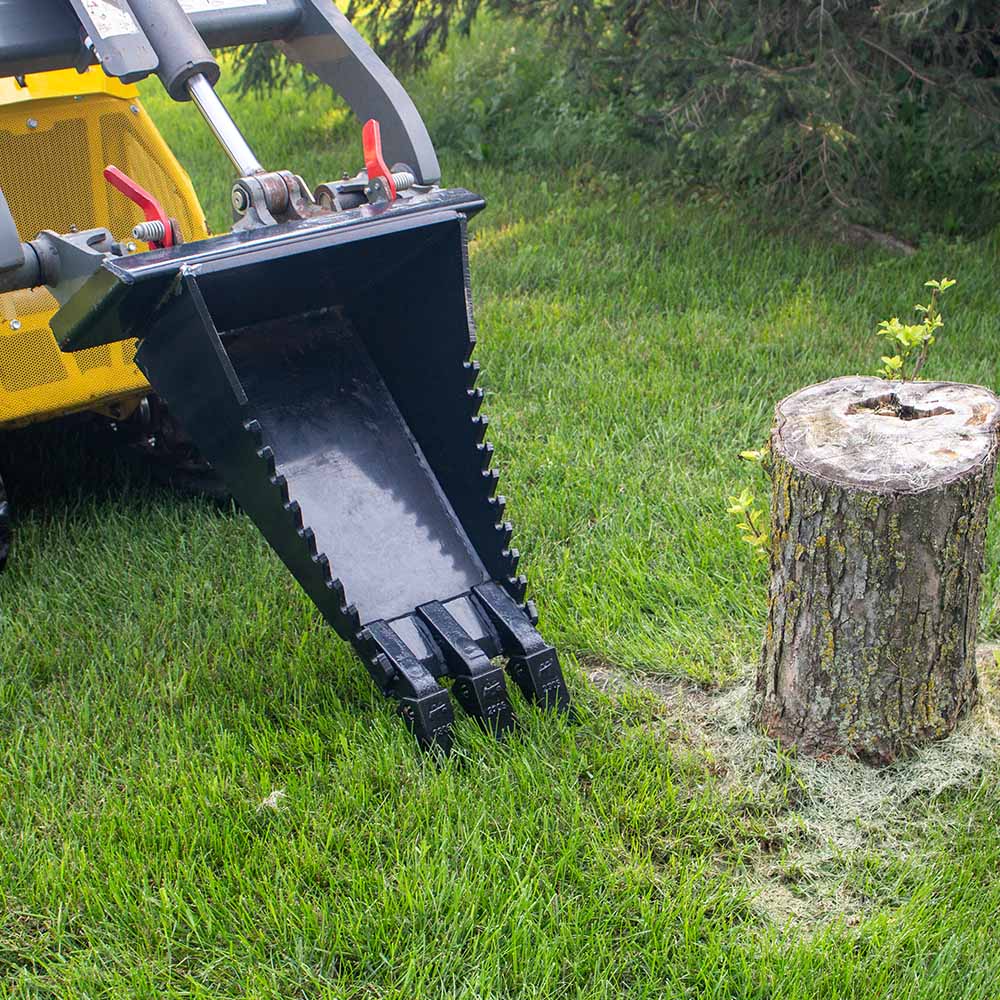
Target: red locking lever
151	208
371	143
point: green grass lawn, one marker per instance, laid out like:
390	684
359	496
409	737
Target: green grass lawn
163	679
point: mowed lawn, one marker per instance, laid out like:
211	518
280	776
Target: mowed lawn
202	795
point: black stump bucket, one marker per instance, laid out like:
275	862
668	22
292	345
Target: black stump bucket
323	368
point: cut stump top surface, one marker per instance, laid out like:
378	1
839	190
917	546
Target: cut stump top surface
879	436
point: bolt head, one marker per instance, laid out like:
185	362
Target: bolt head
241	202
32	123
15	324
376	191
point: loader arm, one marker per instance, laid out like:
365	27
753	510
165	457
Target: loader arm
318	355
327	44
41	35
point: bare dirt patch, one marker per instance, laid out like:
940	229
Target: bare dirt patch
827	820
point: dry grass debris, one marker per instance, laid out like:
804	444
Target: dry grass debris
828	819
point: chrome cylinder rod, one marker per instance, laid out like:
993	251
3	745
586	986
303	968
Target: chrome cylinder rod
226	130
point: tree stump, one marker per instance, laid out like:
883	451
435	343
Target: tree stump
881	496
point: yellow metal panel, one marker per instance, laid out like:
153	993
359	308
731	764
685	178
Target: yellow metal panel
63	83
53	150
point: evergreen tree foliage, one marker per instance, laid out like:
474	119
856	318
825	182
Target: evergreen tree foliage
881	112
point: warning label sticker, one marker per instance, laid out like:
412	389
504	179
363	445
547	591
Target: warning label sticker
112	18
200	6
109	18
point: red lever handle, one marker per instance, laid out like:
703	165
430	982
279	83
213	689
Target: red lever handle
371	142
151	208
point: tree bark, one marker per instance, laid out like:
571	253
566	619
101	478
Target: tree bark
881	493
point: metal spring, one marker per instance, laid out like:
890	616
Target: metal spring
150	232
403	179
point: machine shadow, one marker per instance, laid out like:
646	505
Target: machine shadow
50	468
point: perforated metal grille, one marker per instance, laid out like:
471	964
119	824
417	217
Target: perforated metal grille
127	148
34	361
52	160
94	357
52	154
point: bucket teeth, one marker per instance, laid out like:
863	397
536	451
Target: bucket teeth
309	537
539	677
324	565
266	455
281	484
347	611
430	719
491	477
424	705
479	687
294	512
532	662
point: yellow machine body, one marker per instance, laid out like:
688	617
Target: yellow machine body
57	133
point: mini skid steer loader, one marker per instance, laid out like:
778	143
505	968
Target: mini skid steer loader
317	355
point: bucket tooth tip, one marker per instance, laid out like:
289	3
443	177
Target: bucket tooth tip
294	511
476	397
491	477
309	537
513	557
347	611
281	485
486	700
479	686
266	455
531	662
472	370
323	562
431	720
